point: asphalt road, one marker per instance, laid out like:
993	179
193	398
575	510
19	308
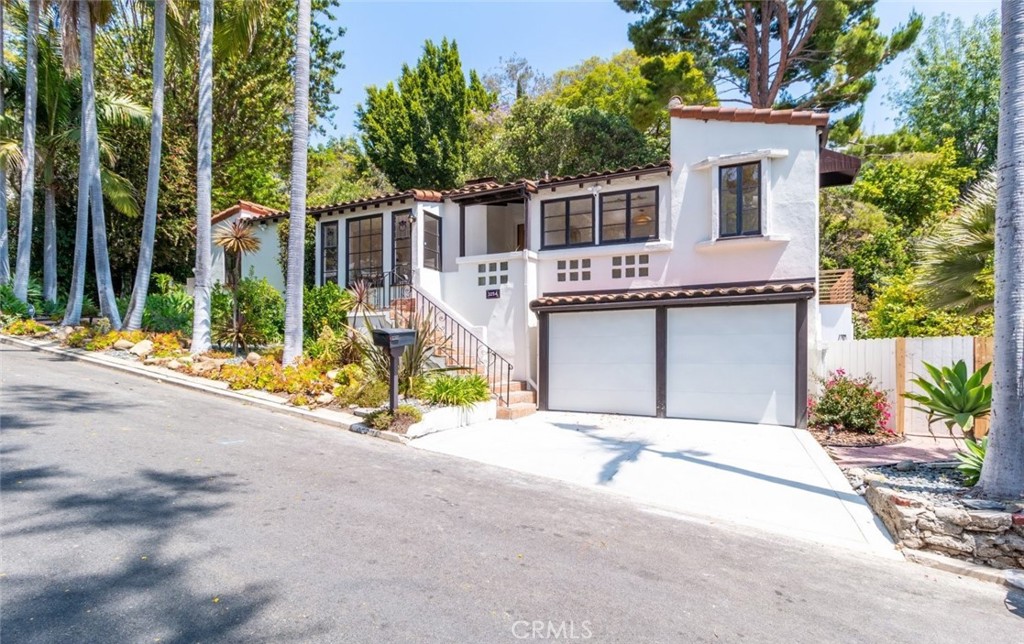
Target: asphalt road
134	511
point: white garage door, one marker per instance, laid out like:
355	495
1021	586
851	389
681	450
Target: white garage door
602	362
732	363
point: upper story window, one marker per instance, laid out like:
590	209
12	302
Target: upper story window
329	252
567	222
629	216
739	208
432	241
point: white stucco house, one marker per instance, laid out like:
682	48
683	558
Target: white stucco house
262	263
685	289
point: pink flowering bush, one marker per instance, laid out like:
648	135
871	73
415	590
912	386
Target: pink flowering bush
851	404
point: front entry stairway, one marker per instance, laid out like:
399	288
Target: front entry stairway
455	346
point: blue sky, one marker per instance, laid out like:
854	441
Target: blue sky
552	35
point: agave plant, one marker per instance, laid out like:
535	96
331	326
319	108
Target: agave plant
972	460
954	397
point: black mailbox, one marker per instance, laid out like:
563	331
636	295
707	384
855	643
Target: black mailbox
393	338
394	341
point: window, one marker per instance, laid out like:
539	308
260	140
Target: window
366	249
432	241
329	252
739	207
401	234
629	216
567	222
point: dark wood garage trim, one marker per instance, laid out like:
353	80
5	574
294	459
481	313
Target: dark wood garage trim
798	297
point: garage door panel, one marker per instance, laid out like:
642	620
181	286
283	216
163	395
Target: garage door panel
602	362
732	363
706	349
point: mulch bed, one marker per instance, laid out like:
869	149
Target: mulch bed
843	438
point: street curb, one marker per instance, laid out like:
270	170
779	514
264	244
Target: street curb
337	420
957	567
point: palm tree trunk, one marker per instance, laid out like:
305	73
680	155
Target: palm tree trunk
28	150
297	205
101	261
49	240
133	318
204	169
5	256
73	310
1002	475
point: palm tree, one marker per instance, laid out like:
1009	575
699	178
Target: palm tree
297	205
1002	475
956	259
133	318
5	258
204	171
237	239
28	147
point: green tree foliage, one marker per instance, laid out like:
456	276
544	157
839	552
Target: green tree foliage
902	309
632	86
541	136
803	53
952	88
417	131
913	188
339	171
854	234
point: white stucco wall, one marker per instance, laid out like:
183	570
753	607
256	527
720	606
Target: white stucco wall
264	262
836	321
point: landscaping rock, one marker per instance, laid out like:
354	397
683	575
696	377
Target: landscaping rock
905	466
142	349
324	399
124	345
333	374
989	520
173	364
982	504
253	357
954	516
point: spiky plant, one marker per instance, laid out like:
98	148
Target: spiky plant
957	259
237	239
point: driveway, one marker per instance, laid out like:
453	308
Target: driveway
774	478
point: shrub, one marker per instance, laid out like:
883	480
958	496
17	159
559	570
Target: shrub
170	309
306	378
166	345
457	391
417	359
852	404
104	341
324	306
26	327
953	396
260	305
333	347
78	339
11	306
972	460
353	388
403	418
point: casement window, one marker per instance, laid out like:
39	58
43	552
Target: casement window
739	206
329	252
567	222
365	250
401	255
431	241
629	216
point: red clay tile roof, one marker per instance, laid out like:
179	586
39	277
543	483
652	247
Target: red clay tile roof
797	288
749	115
483	187
415	194
649	168
257	212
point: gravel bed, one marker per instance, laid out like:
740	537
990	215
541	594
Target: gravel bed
939	483
121	354
235	360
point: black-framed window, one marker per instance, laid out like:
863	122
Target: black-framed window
739	205
567	222
629	216
329	252
401	255
365	250
431	241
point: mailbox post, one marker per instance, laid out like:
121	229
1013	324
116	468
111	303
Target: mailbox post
394	341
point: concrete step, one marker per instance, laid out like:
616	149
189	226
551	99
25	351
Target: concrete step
522	397
516	411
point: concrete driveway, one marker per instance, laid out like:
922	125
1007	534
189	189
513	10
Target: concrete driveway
774	478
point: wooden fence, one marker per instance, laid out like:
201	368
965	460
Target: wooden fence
893	362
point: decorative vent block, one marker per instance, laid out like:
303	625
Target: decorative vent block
492	274
629	266
574	270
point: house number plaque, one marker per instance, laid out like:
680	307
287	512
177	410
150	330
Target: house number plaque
493	293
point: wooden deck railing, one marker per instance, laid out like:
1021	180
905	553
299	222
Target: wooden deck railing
835	286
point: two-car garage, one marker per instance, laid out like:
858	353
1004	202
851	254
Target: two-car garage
729	353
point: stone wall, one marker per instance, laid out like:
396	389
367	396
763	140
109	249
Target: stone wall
991	537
